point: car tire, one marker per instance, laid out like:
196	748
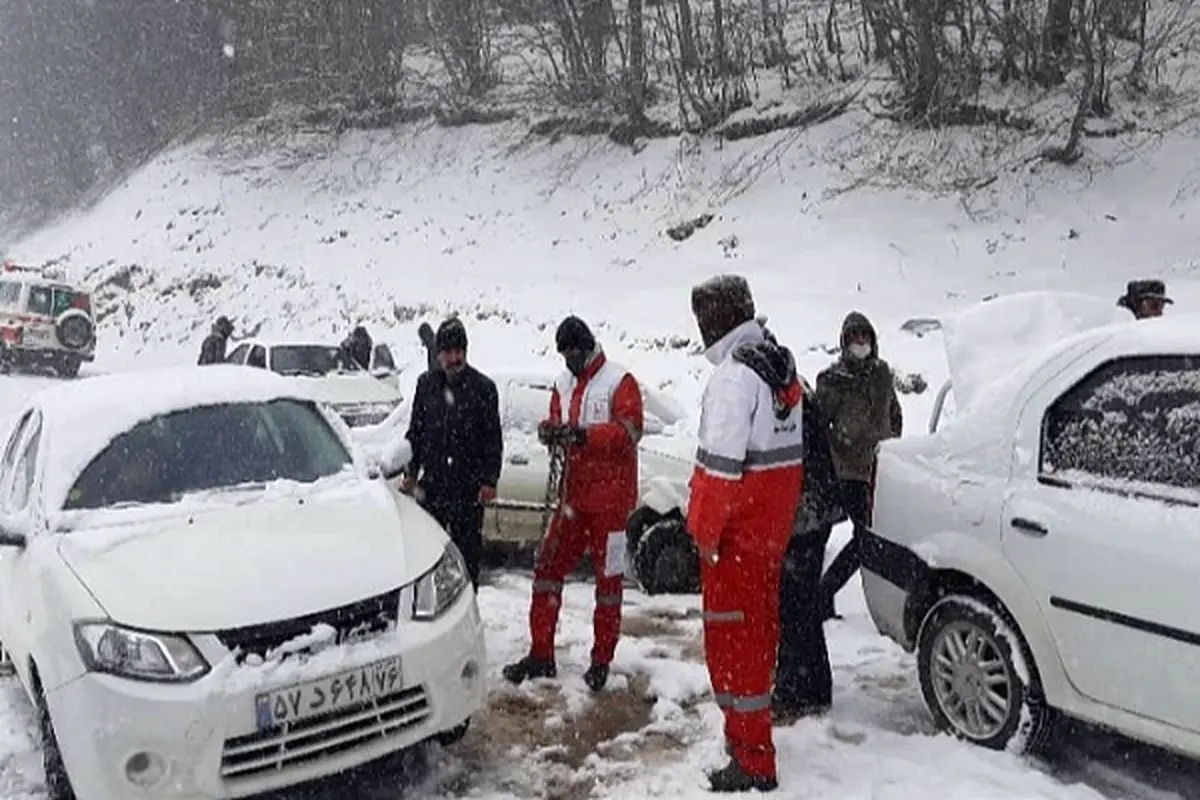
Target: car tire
977	677
639	522
666	560
454	735
58	783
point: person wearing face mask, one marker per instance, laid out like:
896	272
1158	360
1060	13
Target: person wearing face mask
596	413
457	444
857	399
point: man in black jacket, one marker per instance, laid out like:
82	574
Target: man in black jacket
457	444
358	346
212	351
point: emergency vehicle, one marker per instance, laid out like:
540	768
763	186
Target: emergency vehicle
45	322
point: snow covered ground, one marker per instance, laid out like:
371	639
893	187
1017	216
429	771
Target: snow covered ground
392	228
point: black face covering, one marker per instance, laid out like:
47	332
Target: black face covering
576	361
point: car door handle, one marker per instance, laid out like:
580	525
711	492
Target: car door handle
518	459
1029	526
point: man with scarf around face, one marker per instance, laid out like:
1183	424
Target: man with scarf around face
596	412
745	490
457	444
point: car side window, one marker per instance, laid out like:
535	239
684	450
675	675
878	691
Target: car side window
1132	419
10	294
383	358
26	468
258	357
238	355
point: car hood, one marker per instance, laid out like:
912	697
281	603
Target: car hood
987	341
185	568
348	388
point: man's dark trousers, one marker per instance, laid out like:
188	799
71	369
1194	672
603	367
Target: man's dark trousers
803	678
463	520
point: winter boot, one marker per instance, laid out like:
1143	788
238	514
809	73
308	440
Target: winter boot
732	778
596	676
528	668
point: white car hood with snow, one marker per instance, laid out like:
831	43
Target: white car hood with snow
200	567
345	388
986	342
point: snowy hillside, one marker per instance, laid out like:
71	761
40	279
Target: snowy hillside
392	228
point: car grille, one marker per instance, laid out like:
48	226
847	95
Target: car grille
292	744
357	621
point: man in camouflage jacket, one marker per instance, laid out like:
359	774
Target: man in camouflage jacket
858	400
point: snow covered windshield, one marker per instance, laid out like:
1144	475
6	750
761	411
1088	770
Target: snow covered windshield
210	447
311	359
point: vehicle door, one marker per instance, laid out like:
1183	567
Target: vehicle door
19	468
383	366
238	356
522	490
257	357
1102	521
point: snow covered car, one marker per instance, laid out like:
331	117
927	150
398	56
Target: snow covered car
328	376
205	593
519	511
44	322
1038	551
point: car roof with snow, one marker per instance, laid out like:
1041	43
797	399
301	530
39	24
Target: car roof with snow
80	417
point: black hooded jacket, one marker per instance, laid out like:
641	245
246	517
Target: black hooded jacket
457	442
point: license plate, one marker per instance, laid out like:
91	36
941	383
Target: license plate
328	695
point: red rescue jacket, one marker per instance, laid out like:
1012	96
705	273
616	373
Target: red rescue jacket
601	474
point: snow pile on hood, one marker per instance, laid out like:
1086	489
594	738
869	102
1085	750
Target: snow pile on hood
987	341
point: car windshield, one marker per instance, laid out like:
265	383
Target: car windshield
311	359
207	448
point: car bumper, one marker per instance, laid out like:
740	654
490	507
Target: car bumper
206	738
892	575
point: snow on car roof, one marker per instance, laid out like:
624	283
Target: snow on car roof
81	417
986	341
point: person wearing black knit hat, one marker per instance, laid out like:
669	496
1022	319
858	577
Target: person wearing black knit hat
745	492
596	414
457	444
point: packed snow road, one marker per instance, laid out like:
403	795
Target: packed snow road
655	729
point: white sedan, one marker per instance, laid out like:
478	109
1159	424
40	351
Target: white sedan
205	594
327	375
1038	551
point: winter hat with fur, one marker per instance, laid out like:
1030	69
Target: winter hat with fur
721	304
451	335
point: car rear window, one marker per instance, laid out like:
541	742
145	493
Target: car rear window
51	301
211	447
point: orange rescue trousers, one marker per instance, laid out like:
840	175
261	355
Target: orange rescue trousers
741	637
568	539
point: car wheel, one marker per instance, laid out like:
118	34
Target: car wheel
454	735
58	783
639	521
666	560
977	678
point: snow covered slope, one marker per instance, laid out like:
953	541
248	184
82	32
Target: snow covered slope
308	235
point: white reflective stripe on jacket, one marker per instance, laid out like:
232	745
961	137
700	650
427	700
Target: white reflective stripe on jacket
739	431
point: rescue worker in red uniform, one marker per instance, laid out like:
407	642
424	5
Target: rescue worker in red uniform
745	490
596	409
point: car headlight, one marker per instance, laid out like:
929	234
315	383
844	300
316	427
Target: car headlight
142	656
436	590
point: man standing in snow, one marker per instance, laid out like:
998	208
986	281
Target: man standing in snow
212	350
596	413
457	444
357	346
745	490
1145	298
857	398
